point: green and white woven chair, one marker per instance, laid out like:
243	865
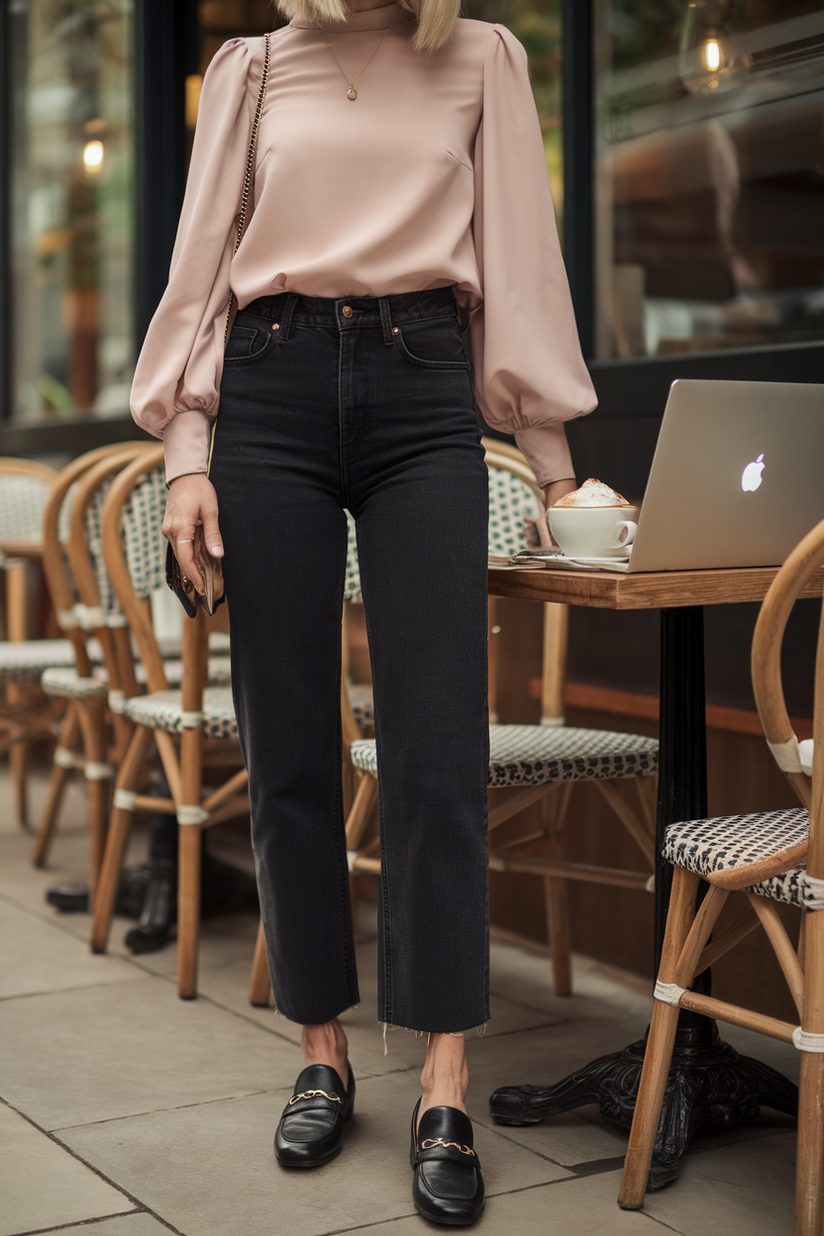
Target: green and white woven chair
539	763
186	727
759	859
98	612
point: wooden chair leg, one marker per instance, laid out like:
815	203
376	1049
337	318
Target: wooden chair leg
106	893
190	842
260	986
92	724
365	799
557	923
809	1186
66	743
556	902
19	768
659	1048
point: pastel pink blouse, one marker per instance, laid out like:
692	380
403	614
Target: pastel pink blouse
434	176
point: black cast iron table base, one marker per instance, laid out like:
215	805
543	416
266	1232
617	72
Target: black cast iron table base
709	1085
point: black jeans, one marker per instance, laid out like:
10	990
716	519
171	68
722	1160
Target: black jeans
362	404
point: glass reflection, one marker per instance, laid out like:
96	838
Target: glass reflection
72	225
709	174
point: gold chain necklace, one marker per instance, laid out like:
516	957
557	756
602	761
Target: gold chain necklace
352	92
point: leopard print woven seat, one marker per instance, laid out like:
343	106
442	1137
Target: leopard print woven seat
541	754
707	846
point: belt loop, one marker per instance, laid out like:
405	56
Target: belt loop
386	319
286	320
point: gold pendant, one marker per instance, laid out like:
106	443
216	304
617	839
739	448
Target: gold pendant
351	93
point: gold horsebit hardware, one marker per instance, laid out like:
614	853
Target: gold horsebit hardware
429	1142
314	1094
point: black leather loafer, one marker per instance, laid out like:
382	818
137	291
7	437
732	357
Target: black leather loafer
448	1186
310	1130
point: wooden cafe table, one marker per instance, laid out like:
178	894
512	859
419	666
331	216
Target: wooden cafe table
709	1082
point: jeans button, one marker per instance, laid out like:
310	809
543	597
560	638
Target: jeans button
347	311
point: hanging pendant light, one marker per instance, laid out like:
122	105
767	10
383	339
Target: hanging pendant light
710	57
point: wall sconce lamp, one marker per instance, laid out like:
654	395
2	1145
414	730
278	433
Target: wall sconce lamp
710	57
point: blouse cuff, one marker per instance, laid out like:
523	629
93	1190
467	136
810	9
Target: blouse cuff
547	452
187	441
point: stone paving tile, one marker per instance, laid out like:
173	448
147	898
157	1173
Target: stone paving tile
102	1052
138	1224
37	956
42	1185
570	1207
740	1188
199	1168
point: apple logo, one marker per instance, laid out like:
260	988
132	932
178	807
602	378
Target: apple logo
752	477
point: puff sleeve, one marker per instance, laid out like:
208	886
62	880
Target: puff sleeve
176	386
530	374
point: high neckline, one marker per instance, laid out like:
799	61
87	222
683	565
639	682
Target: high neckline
368	19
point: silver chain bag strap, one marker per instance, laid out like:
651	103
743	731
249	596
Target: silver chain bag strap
250	167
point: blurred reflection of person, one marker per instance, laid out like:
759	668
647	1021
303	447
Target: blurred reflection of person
400	195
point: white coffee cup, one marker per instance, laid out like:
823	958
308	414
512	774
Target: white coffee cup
593	531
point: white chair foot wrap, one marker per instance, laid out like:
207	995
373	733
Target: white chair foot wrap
351	855
124	799
808	1042
191	720
98	772
786	755
116	701
191	814
649	887
91	617
668	993
68	619
63	758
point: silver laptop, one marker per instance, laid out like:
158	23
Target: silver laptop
737	478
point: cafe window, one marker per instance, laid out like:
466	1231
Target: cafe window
70	186
709	175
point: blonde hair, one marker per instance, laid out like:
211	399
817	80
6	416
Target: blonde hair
436	18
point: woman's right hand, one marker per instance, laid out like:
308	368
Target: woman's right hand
192	500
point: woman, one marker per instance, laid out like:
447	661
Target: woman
400	194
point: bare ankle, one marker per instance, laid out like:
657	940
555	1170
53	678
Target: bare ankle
445	1074
326	1044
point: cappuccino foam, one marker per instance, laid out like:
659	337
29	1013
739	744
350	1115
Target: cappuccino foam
592	493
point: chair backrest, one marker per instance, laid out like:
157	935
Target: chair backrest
515	496
784	591
55	535
135	551
99	608
25	487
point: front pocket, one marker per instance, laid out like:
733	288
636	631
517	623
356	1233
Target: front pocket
246	343
434	344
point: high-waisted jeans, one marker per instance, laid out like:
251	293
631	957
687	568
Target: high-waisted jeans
361	404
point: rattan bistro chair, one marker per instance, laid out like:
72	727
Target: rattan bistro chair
83	684
188	728
762	858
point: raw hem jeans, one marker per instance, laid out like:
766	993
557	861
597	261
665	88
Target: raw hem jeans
362	404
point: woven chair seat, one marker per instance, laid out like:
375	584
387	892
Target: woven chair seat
163	710
732	841
24	661
541	754
66	683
